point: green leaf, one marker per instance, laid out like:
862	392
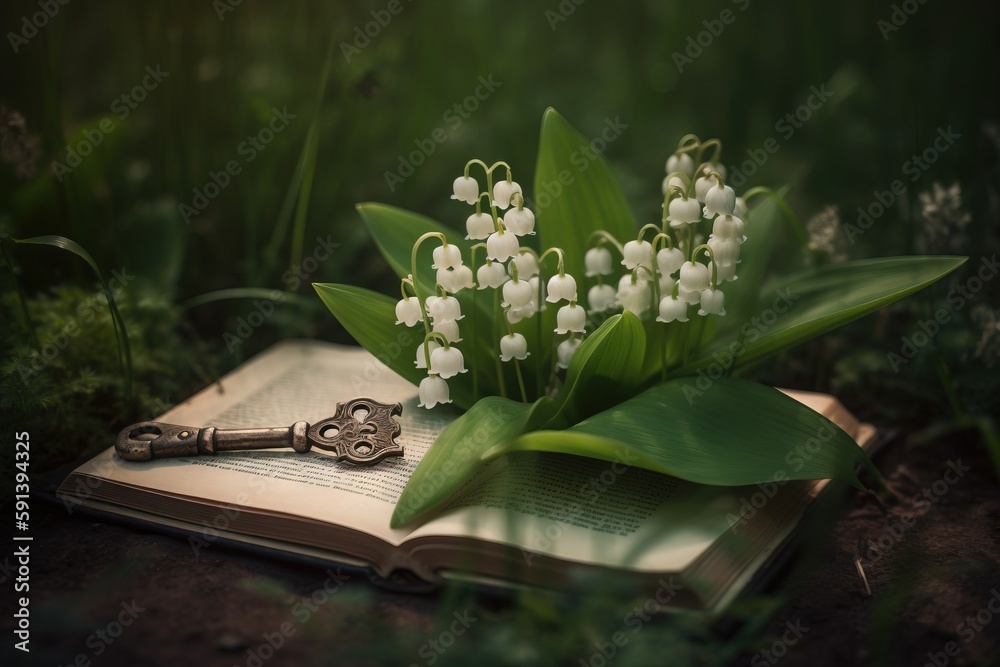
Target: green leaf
804	305
575	193
605	369
370	318
463	449
734	433
124	349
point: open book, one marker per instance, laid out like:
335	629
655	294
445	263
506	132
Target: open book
541	519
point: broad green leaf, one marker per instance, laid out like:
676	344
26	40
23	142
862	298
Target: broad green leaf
124	349
605	369
370	318
804	305
463	449
575	193
733	433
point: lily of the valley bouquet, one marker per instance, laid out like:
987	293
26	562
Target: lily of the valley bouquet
559	324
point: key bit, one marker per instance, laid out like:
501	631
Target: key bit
362	432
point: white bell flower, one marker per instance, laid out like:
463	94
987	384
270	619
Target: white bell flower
712	302
455	280
637	253
669	260
634	297
598	262
702	185
515	315
561	287
421	360
513	346
519	221
683	211
503	192
680	162
465	189
447	362
571	319
479	226
672	309
565	352
491	274
516	294
501	246
527	265
693	279
408	311
433	390
720	201
444	308
728	227
449	330
718	168
601	298
447	256
726	251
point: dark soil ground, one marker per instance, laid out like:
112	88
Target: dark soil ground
931	561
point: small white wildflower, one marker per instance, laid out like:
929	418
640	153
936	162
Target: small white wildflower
519	221
513	346
669	260
455	280
449	330
491	274
421	360
680	162
683	211
501	246
447	256
712	302
447	362
433	390
672	309
444	309
571	319
465	189
516	294
408	311
720	201
601	298
565	352
561	287
503	193
637	253
598	262
479	226
527	265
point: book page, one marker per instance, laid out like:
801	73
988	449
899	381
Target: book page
296	380
581	510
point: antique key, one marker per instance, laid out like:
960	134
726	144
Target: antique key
361	439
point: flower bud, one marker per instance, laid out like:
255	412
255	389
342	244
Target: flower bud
637	253
601	298
680	162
